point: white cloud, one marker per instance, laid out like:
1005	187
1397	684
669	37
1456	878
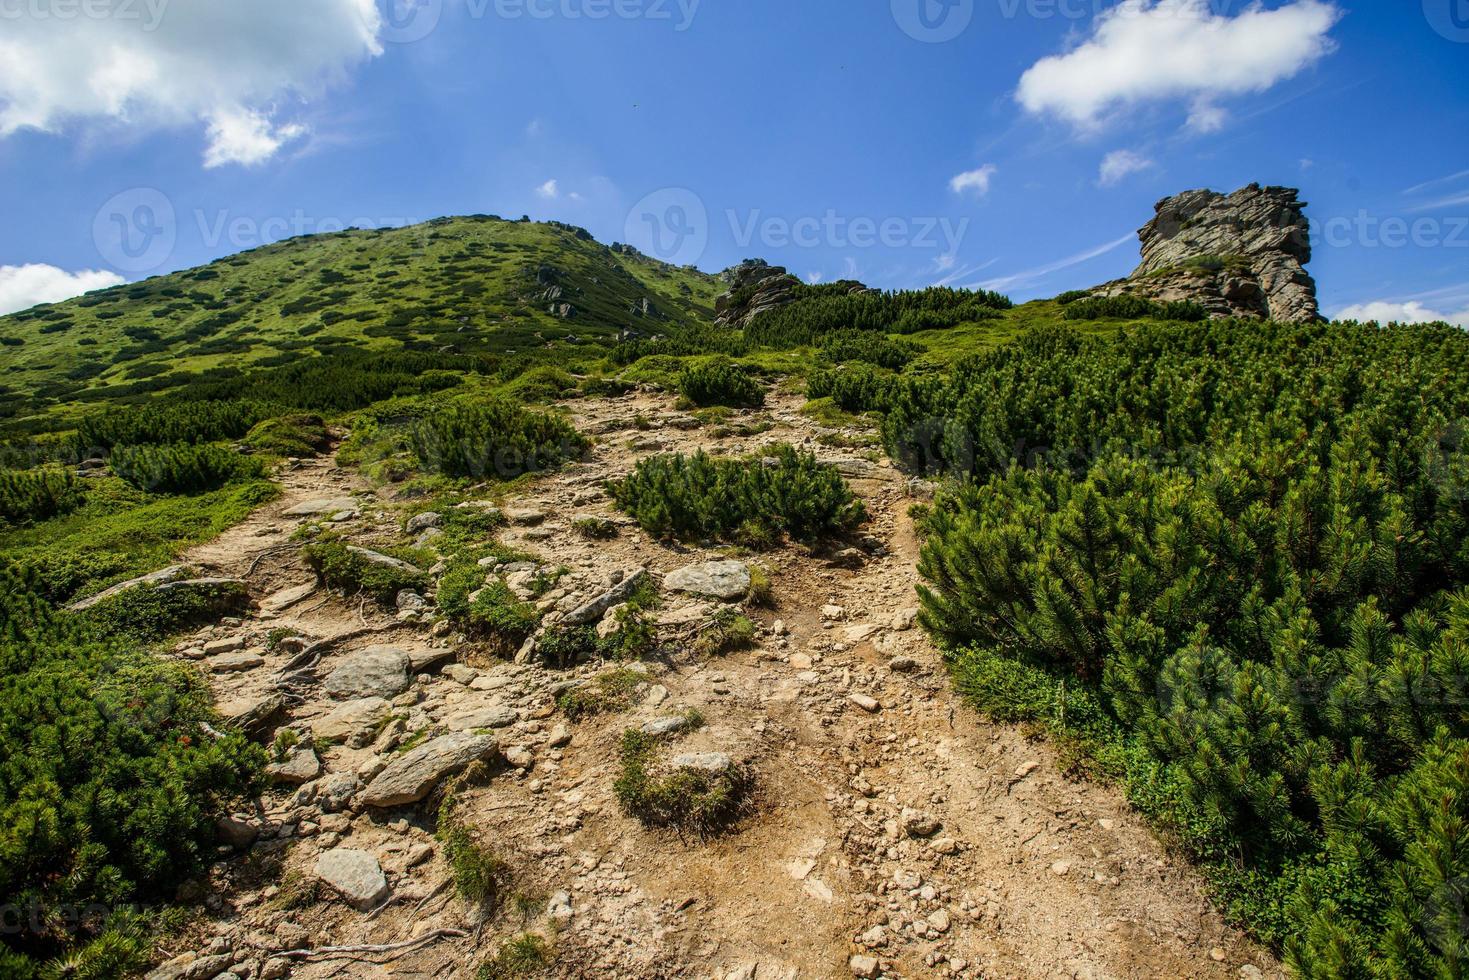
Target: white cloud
550	190
975	182
24	286
1412	312
1206	117
1120	164
1154	50
814	277
151	64
245	137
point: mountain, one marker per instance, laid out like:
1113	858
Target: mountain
473	285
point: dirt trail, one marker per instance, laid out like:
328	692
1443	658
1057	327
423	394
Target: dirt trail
1028	873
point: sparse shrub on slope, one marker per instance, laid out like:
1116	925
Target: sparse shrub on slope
751	501
494	439
183	468
338	566
300	435
720	382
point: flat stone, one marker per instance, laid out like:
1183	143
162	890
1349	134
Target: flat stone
234	663
173	573
524	516
378	558
665	726
413	775
714	763
300	766
863	966
495	716
252	715
228	645
353	718
377	671
423	522
727	580
867	704
355	875
324	505
286	598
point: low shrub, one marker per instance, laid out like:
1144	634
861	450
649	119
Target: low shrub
28	496
859	388
1134	308
488	611
749	501
561	647
695	800
526	955
612	691
726	632
301	436
595	528
480	876
337	566
868	347
183	468
720	382
154	613
494	440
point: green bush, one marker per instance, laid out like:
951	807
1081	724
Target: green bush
720	382
28	496
110	796
1241	575
1134	308
858	388
337	566
751	501
494	613
480	876
869	348
154	613
169	424
302	436
817	311
183	468
612	691
527	955
495	439
687	799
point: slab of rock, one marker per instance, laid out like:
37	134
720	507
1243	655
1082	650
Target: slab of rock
495	716
234	663
227	645
325	505
355	875
422	522
353	719
727	580
377	558
252	715
867	704
377	671
524	516
413	775
171	574
300	766
591	612
286	598
671	725
713	763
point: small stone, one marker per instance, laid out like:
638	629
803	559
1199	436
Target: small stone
560	737
230	645
863	966
939	921
1061	868
234	663
520	757
919	824
237	831
867	704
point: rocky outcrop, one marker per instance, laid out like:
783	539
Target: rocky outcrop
1241	254
412	776
754	287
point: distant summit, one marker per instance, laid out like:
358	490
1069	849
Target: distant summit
1241	254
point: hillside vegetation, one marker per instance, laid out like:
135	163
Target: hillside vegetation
1224	563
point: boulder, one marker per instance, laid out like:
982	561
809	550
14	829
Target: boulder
353	719
252	715
377	671
413	775
234	663
387	561
494	716
422	522
727	580
300	766
355	875
713	763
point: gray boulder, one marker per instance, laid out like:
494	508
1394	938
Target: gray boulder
727	580
377	671
355	875
413	775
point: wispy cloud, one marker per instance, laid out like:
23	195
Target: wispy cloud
974	182
1032	276
1435	182
550	190
1121	164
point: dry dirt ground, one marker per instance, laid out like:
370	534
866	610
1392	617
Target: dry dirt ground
1028	874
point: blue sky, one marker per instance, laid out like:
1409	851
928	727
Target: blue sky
1012	144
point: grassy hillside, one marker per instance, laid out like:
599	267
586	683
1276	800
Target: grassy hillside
477	285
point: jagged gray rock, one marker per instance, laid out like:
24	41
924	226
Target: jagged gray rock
378	671
726	580
754	287
355	875
1241	254
593	611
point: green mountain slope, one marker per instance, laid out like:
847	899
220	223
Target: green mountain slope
476	285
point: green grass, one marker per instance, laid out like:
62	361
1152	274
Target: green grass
685	799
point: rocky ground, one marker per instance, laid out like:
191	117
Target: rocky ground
891	832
